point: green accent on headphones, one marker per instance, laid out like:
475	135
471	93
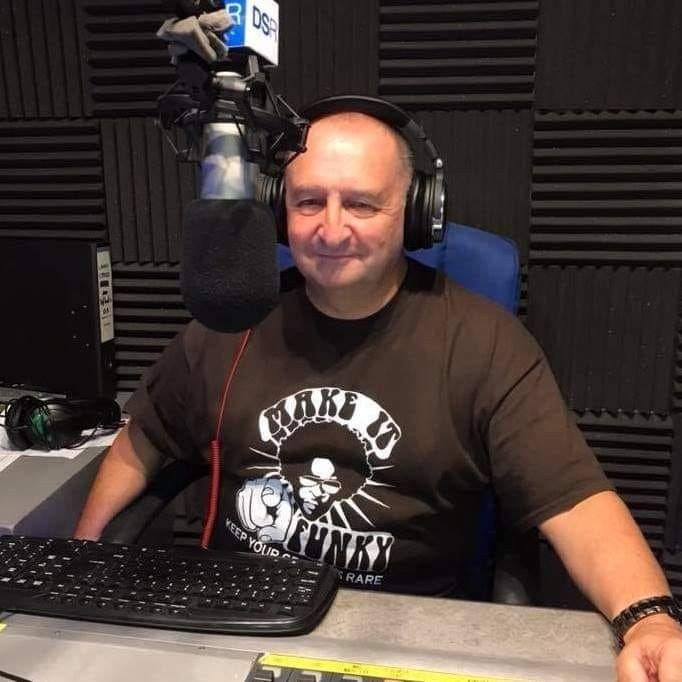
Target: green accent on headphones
38	423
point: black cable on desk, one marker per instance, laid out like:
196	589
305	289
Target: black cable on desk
14	678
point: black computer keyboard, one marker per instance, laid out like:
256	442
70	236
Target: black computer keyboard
183	588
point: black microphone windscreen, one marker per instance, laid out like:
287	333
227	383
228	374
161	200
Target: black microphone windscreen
229	280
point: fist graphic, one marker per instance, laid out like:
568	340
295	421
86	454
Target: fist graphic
264	505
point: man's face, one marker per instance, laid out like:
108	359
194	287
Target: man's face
345	200
318	485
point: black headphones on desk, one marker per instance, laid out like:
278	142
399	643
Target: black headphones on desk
55	423
427	196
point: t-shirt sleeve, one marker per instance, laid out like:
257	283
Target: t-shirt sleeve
540	462
158	407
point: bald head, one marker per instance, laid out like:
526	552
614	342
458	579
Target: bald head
376	132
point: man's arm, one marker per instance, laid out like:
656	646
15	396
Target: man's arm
122	477
604	551
606	555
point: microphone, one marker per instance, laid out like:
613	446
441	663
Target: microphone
229	278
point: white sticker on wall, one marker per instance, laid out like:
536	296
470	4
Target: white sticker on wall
106	297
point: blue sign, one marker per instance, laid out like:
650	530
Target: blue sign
255	25
234	36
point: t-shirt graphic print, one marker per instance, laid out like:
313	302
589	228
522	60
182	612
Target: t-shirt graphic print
316	501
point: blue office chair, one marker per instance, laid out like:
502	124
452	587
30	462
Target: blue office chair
484	263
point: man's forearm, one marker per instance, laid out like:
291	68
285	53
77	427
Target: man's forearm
605	553
122	476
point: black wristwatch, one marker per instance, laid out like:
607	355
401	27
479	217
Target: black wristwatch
641	609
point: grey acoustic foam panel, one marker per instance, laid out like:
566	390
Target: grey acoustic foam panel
621	54
51	179
148	312
40	60
147	190
608	332
458	55
327	48
607	187
125	66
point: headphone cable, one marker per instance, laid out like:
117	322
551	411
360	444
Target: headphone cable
214	485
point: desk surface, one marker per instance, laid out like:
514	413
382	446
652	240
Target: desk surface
542	645
45	495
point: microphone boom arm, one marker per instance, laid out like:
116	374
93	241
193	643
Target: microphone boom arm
235	90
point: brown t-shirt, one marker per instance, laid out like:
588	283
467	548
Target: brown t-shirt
372	444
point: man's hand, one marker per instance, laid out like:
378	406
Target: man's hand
652	652
264	505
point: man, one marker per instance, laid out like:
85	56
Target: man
370	412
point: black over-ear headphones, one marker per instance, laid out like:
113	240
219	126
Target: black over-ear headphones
57	423
427	196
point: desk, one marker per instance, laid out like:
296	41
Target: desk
530	644
44	495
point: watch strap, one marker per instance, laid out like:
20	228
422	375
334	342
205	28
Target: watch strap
641	609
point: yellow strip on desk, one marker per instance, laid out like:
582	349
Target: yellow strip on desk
2	626
385	672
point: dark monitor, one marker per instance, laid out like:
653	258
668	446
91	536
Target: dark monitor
57	329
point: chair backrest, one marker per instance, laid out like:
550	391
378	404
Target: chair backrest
480	261
486	264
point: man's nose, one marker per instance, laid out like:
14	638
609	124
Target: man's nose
334	230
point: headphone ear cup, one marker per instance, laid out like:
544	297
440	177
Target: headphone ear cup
17	425
66	423
423	206
413	212
428	208
68	418
270	190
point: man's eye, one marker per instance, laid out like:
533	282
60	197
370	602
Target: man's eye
362	208
309	205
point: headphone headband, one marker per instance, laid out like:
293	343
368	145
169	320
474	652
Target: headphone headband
381	109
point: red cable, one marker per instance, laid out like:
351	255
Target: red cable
214	486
